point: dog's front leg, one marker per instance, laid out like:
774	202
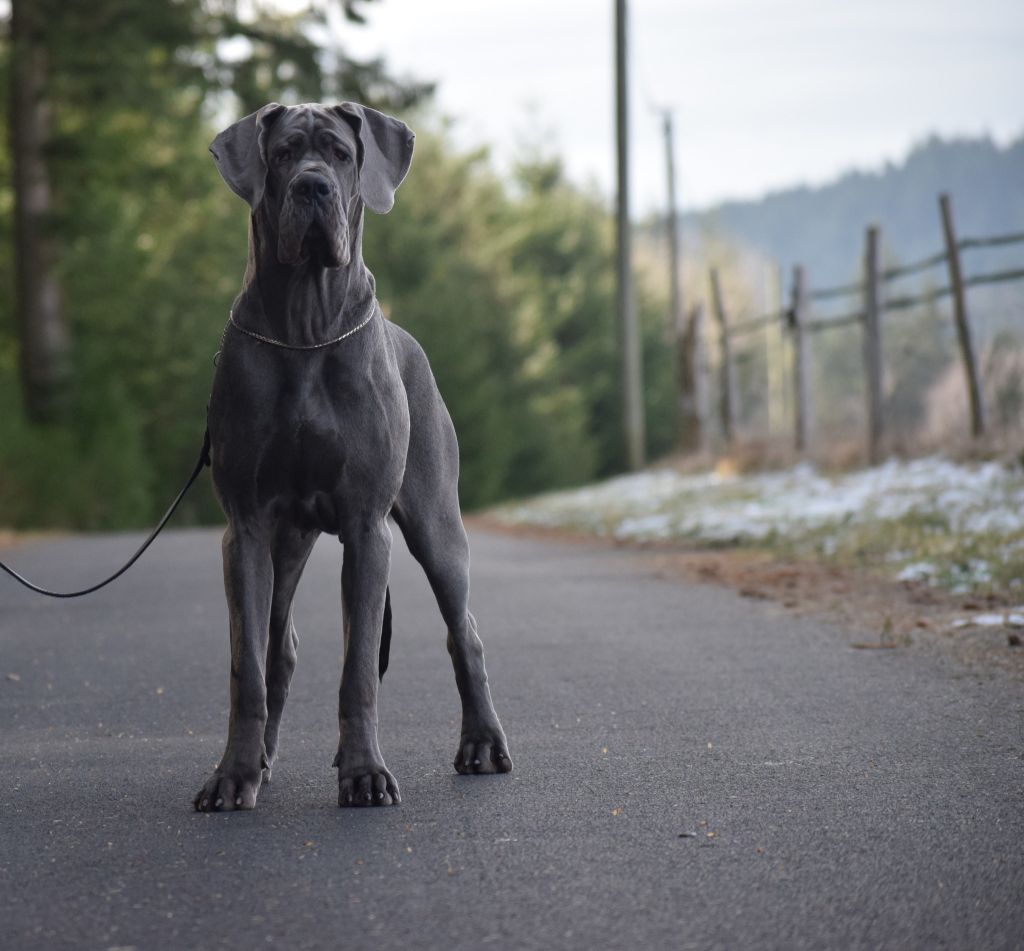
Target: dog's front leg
363	779
249	584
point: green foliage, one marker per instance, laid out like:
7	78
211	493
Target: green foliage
509	287
91	476
290	58
511	293
559	249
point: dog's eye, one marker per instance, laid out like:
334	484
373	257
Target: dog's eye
342	156
282	155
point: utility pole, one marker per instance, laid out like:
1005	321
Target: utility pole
632	366
683	334
672	226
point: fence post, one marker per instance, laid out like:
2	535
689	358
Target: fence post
703	371
774	337
963	327
801	360
727	403
688	375
873	307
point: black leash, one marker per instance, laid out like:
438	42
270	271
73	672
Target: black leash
201	463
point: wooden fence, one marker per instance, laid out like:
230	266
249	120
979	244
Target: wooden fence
797	319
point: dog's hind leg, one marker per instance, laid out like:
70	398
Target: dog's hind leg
290	551
437	539
427	512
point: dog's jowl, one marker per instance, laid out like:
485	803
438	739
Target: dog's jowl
325	417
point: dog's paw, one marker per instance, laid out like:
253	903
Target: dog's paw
483	751
227	790
360	784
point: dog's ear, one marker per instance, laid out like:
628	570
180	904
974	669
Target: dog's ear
241	156
385	153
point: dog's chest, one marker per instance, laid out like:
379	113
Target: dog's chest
308	454
302	475
317	440
331	451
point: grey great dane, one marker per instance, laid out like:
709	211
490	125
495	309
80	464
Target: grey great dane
325	418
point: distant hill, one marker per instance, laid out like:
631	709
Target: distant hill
823	228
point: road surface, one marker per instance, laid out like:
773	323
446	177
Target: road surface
692	770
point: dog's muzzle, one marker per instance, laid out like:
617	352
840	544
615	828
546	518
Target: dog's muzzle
313	225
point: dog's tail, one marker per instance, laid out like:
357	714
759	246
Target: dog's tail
385	635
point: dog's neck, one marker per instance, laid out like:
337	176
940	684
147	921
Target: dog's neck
308	303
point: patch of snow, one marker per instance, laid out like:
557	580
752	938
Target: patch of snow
918	571
648	526
946	498
1011	618
973	499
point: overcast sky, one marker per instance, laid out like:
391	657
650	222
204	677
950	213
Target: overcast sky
766	93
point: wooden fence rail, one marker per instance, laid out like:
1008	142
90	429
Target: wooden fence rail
875	303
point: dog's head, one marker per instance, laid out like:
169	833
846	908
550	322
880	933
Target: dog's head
310	168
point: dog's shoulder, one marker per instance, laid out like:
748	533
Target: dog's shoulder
410	355
414	368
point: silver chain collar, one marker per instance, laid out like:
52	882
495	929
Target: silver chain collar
308	346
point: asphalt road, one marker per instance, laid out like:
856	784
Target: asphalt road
839	798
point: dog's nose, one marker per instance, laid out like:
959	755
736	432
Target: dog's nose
311	186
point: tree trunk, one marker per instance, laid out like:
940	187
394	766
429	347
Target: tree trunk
689	368
42	334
